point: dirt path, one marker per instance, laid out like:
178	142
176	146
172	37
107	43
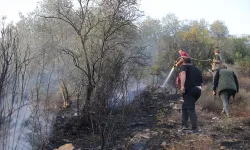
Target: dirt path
217	131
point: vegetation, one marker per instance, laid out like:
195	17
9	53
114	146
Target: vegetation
89	53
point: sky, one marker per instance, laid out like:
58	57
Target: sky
235	13
11	8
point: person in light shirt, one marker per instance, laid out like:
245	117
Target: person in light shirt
217	61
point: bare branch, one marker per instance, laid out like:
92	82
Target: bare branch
75	59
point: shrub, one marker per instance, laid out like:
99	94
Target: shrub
237	107
244	83
244	65
240	106
209	102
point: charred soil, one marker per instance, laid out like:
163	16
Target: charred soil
151	121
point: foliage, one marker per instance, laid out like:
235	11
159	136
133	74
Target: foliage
241	53
241	47
92	47
95	48
197	37
244	64
219	29
197	41
150	31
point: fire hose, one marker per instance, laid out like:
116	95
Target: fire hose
209	60
204	60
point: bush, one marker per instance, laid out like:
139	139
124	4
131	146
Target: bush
240	106
244	83
237	107
245	66
228	58
209	102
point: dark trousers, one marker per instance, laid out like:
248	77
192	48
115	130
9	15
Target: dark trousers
188	107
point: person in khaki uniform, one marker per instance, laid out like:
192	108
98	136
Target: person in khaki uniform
217	61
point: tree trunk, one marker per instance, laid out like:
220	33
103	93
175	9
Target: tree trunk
89	92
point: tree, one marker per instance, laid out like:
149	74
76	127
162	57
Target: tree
198	43
241	48
9	61
150	31
15	60
218	29
169	42
105	32
171	24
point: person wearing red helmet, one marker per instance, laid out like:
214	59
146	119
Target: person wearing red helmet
179	61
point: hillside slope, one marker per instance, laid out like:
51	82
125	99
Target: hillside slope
151	122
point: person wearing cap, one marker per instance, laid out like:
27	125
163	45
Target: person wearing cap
226	83
217	61
179	61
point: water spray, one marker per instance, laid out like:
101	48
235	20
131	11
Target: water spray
170	73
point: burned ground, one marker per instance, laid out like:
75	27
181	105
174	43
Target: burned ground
151	121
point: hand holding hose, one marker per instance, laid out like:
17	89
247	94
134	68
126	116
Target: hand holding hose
176	64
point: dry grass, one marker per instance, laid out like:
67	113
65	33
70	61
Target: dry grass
244	83
193	142
175	116
239	107
207	77
209	102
